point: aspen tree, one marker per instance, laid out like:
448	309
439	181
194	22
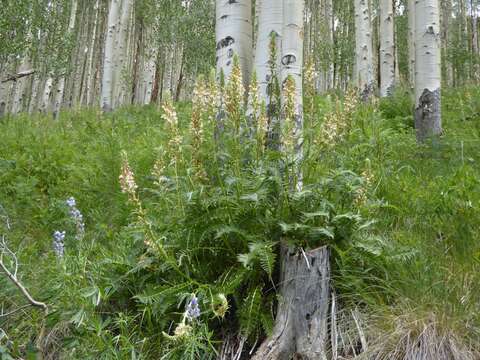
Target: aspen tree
234	36
270	22
109	56
411	41
428	121
364	73
387	48
61	81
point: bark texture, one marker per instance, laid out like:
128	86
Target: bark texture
300	330
292	67
269	25
387	48
411	41
428	69
109	56
234	36
364	73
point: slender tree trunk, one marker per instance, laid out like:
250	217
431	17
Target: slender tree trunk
475	45
32	106
428	121
292	66
120	73
330	19
364	73
61	81
270	25
47	91
234	36
90	82
21	87
387	48
109	57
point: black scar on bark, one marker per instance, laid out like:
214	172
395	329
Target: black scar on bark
225	42
428	122
289	59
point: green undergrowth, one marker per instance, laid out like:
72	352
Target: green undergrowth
402	220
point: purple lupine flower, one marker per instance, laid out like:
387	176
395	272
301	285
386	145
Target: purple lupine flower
71	202
59	243
193	310
77	216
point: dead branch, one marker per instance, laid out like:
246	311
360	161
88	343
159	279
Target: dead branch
20	75
12	276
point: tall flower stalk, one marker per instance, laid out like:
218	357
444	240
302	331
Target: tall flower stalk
174	151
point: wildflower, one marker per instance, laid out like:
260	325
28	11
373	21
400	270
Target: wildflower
196	126
59	243
127	179
71	202
212	97
310	76
234	94
170	117
159	168
368	178
77	217
337	123
220	305
289	131
192	311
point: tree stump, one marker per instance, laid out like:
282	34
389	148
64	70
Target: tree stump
301	325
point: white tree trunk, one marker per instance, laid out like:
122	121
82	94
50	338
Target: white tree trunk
292	66
330	19
20	87
427	69
109	57
61	82
270	23
411	41
5	91
90	65
47	90
234	36
32	106
121	82
364	73
387	48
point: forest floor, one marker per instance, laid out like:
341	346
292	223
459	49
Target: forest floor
402	220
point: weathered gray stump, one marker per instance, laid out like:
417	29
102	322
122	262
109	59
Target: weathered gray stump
300	330
428	120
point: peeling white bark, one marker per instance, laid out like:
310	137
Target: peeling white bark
47	90
21	87
364	73
109	57
234	36
270	23
120	68
61	82
387	48
427	69
292	66
411	41
90	65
